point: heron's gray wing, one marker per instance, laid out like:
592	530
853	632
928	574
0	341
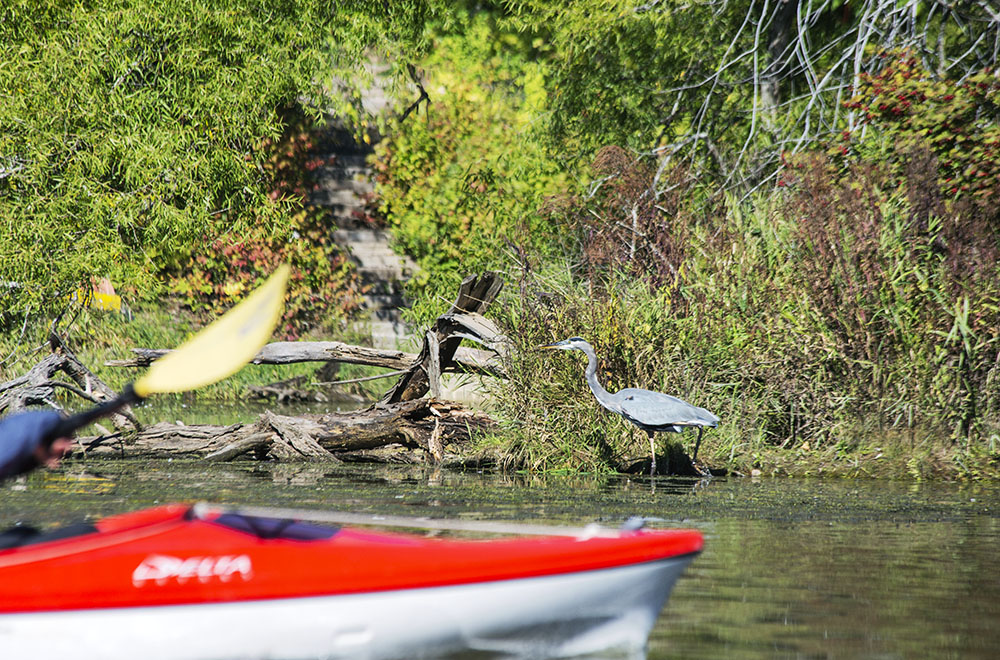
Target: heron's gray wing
657	410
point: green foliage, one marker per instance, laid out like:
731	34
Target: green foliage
724	87
131	130
461	179
862	299
859	297
323	286
618	75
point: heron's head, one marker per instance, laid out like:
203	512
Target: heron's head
573	343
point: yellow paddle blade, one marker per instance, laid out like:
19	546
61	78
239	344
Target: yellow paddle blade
223	347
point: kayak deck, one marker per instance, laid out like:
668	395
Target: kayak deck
166	556
229	586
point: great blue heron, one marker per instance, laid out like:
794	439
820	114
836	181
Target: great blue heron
650	411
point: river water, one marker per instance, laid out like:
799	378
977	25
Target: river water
791	568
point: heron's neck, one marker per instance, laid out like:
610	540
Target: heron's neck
595	386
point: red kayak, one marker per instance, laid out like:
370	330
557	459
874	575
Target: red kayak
188	582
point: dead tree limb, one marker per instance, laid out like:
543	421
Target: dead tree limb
433	428
38	385
464	320
289	352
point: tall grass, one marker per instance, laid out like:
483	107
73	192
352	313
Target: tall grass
837	316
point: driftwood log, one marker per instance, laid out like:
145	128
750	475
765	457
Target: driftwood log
39	385
403	426
290	352
463	320
406	432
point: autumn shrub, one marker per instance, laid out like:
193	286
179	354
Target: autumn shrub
958	122
891	302
323	285
626	225
923	281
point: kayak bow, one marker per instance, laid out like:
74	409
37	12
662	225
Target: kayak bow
192	582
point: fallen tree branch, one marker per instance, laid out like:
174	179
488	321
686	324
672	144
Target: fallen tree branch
467	360
38	385
431	428
441	342
290	352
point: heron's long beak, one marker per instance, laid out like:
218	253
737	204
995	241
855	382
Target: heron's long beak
550	347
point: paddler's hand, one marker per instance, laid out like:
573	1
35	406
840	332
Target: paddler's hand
26	442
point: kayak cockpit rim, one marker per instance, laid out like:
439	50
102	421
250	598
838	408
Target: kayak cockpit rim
206	510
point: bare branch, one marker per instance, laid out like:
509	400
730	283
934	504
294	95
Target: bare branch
420	99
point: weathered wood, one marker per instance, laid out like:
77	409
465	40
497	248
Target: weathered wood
477	327
433	364
435	446
290	352
39	384
251	443
474	296
424	424
440	353
465	359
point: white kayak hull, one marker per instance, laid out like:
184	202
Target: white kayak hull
552	616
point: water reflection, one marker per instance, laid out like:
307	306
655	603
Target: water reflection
790	569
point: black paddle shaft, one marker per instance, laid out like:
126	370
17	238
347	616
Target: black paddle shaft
73	423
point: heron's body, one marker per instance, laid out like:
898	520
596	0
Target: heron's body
651	411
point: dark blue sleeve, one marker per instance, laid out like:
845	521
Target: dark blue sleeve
20	435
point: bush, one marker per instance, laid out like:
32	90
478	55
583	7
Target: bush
956	122
129	131
323	286
460	182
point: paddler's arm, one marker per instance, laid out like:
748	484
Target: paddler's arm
26	441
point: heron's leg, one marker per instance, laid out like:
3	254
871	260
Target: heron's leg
652	453
697	444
